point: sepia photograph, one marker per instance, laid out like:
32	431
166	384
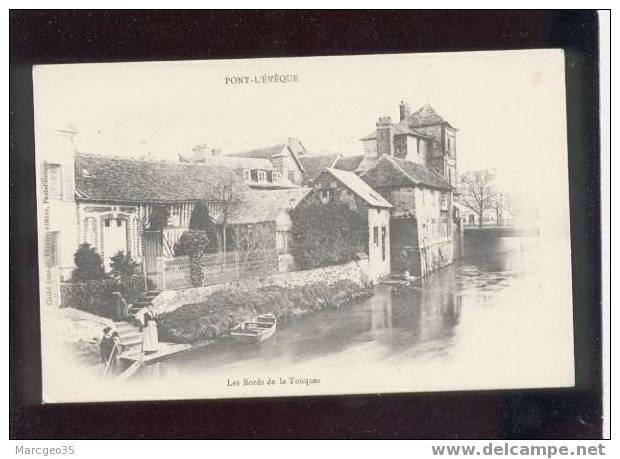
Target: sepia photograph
303	226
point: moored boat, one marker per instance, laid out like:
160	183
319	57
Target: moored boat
256	330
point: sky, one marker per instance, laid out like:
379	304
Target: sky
508	106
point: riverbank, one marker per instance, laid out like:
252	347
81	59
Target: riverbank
222	310
76	332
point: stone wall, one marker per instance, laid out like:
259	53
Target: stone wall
436	256
354	271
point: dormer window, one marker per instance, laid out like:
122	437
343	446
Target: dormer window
54	181
247	175
262	176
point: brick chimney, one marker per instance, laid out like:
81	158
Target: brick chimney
385	136
405	110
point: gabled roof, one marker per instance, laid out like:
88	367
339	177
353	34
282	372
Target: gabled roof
359	187
390	172
314	164
357	164
264	206
293	146
107	178
234	162
425	116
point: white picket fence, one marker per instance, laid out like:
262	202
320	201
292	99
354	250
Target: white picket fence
175	272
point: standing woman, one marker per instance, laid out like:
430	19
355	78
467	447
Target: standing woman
150	335
119	311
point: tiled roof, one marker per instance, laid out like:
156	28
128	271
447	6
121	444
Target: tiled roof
425	116
234	162
357	164
359	187
314	165
262	206
390	172
107	178
265	152
349	163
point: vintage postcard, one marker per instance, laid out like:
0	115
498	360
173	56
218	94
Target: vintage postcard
303	226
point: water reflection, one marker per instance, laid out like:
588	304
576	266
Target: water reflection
426	320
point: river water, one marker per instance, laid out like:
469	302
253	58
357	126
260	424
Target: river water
483	322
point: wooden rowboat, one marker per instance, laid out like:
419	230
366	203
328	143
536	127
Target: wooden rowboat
256	330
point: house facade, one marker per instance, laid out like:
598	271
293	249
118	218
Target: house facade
346	187
109	203
412	164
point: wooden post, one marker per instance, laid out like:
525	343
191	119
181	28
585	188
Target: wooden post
162	270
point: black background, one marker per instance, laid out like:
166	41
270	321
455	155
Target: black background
107	36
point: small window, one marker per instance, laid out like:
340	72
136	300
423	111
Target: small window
262	176
107	222
176	211
247	175
291	177
275	177
54	181
375	235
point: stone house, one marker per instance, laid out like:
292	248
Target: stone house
412	163
421	220
348	188
423	137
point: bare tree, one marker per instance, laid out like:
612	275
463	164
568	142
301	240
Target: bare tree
227	191
253	243
477	193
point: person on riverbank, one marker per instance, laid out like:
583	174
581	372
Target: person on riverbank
150	337
107	348
119	308
106	345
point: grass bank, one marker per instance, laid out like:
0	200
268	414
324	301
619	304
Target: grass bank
223	309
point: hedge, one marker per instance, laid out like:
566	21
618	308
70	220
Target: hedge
327	234
96	296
